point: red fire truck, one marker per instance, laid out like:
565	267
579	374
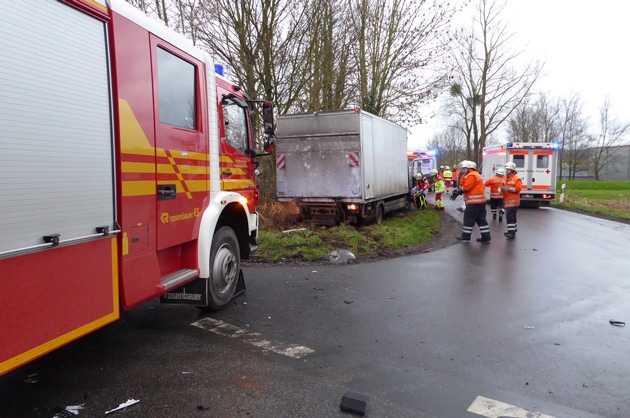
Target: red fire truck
128	172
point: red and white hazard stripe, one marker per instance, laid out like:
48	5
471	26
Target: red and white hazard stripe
354	158
280	162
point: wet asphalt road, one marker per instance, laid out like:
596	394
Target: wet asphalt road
523	322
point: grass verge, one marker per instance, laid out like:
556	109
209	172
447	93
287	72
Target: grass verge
606	198
310	243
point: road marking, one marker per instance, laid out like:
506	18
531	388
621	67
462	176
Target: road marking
228	330
490	408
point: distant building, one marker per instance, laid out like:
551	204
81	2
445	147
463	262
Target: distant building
618	167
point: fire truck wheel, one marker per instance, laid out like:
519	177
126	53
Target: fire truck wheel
225	266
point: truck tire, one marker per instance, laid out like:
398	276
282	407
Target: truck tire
378	217
225	266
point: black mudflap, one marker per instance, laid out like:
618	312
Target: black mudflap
195	292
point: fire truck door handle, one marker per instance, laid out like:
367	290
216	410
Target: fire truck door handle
227	173
167	191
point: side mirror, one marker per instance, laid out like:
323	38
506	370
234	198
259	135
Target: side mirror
268	119
269	126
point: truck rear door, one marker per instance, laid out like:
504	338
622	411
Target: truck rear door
523	161
542	170
367	155
535	168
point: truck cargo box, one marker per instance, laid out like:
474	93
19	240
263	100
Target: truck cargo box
345	156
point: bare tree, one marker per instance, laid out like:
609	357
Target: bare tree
611	133
534	122
450	145
573	136
325	60
397	42
246	36
487	84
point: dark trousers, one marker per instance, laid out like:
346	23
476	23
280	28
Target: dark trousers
495	204
510	218
476	214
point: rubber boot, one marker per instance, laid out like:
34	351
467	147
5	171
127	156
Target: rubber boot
510	235
463	237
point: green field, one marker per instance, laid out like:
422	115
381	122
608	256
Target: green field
609	198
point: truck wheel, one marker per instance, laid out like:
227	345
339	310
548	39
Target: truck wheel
225	266
379	214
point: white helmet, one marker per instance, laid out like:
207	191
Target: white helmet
464	164
472	165
419	176
500	172
447	167
434	171
510	166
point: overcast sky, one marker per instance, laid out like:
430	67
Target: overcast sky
585	48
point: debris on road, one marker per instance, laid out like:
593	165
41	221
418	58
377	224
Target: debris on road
340	257
69	411
123	406
31	378
288	231
354	402
617	323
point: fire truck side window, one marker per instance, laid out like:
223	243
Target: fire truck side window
235	126
519	161
177	91
542	161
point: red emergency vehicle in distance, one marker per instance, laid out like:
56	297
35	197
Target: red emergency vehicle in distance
130	170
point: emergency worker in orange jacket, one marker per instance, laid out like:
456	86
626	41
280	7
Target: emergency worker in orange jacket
471	185
496	195
511	189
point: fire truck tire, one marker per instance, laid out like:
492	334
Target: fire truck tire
225	266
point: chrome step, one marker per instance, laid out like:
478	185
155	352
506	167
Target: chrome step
177	278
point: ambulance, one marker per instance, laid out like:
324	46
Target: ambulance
536	165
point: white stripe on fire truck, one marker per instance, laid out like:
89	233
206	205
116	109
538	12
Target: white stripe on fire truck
252	338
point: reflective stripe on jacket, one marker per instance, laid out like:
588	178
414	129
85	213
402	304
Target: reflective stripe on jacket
494	183
512	199
448	174
473	188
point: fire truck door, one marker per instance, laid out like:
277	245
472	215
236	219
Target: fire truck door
237	168
182	172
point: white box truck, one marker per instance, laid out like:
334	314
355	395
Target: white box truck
341	166
536	164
